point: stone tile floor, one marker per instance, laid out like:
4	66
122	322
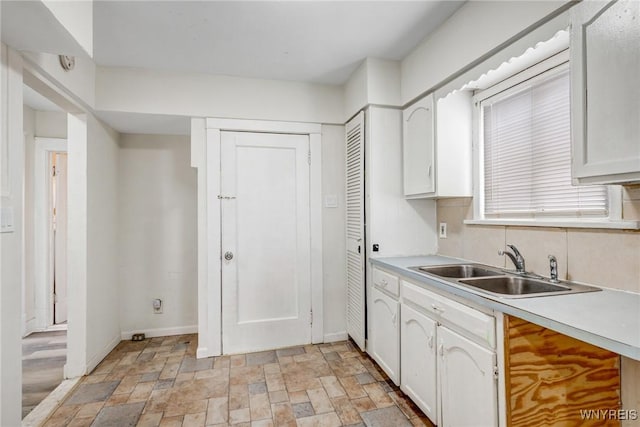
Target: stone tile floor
159	382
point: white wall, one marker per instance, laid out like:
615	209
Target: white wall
400	226
474	30
51	124
204	95
333	233
28	294
102	302
157	237
11	244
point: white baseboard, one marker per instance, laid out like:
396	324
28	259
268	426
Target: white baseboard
30	327
336	336
161	332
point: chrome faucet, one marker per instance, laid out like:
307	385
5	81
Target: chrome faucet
516	257
553	269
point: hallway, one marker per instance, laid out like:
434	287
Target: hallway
159	382
43	357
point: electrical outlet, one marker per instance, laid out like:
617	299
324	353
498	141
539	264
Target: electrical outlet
443	230
157	306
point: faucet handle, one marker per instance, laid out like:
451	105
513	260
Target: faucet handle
553	269
515	250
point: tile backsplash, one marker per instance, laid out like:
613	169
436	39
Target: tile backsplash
603	257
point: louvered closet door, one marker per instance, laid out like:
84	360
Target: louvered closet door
355	230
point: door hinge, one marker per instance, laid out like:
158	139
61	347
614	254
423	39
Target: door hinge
495	372
53	173
311	317
55	298
309	156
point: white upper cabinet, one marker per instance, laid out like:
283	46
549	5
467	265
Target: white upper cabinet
418	148
605	65
437	147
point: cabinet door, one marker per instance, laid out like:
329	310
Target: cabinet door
384	334
418	148
418	360
605	65
468	387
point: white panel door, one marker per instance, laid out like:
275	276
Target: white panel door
384	339
418	378
354	131
266	276
60	240
469	391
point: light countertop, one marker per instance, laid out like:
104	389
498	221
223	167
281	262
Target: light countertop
609	319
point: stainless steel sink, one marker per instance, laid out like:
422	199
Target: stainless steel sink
509	285
460	271
484	279
522	287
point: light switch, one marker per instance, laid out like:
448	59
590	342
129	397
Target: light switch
6	220
330	201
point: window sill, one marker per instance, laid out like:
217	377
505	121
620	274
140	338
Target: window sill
561	223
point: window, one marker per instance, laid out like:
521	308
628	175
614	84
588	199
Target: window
525	149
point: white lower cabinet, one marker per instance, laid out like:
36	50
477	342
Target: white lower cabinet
468	383
418	377
448	361
384	334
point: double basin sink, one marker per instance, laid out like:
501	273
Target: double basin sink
485	279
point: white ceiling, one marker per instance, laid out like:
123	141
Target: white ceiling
312	41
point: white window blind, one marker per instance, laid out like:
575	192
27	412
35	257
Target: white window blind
527	154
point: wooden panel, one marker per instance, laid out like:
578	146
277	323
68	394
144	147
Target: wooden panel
551	378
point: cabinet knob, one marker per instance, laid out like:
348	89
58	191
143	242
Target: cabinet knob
436	308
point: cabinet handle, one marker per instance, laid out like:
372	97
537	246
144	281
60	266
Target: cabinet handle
431	341
429	170
393	319
441	350
436	308
384	282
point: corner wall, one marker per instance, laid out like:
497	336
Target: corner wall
157	235
102	302
11	243
334	256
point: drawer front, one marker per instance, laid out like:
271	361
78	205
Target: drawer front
386	281
447	311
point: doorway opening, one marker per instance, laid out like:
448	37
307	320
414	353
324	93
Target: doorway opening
44	309
58	233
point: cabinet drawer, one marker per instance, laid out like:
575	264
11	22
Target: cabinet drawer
386	281
472	321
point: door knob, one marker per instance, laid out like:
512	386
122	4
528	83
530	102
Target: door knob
228	256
